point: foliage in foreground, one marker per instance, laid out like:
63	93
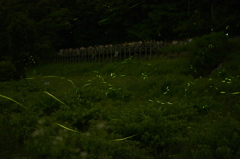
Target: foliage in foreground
128	109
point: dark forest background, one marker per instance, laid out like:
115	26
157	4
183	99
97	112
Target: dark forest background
31	30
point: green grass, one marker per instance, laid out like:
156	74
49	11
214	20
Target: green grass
129	109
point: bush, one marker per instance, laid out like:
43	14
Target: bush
8	71
207	52
216	139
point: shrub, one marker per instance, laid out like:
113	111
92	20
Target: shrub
8	71
207	52
213	138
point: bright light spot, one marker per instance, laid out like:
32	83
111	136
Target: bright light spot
144	76
236	93
166	90
113	75
210	46
86	84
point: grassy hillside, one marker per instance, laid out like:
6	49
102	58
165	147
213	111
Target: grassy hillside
129	109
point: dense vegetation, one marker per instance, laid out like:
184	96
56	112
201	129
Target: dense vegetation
183	104
165	108
33	30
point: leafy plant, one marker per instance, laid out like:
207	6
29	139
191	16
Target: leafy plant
207	52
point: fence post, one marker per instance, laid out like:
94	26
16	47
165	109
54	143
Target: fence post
146	49
102	53
150	45
140	49
125	51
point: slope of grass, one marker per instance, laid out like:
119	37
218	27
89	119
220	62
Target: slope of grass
129	109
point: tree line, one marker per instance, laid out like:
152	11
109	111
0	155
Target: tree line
31	30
